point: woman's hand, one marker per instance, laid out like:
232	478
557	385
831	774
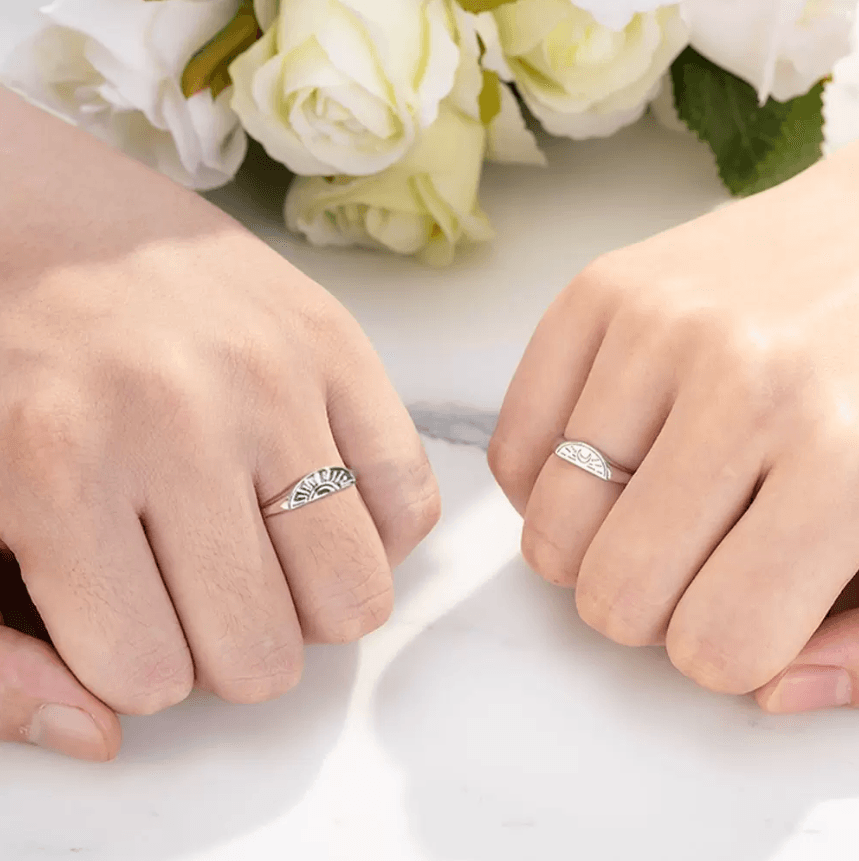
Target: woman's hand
163	372
720	362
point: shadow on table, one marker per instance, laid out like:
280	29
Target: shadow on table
188	779
543	740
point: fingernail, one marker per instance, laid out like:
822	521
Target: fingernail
68	730
805	688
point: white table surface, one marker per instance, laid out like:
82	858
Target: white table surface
484	722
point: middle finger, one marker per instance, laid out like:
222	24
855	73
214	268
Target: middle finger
691	488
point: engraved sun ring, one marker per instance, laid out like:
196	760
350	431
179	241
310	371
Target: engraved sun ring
332	479
315	485
592	460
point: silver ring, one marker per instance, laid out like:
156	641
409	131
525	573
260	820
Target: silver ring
592	460
314	485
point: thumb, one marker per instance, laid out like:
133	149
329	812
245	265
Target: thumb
824	675
42	703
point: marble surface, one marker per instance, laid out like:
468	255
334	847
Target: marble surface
484	722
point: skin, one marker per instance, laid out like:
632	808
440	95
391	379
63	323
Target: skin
162	371
720	361
144	338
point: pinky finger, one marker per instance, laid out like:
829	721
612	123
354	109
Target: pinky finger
377	438
42	703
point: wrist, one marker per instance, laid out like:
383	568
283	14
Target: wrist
66	196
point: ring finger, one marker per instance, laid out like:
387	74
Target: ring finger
330	549
621	410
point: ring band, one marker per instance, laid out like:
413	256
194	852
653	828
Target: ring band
314	485
592	460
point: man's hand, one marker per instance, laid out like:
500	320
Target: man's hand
162	373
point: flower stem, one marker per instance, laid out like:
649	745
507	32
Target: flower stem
208	68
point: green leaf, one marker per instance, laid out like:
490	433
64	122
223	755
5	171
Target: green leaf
478	6
756	146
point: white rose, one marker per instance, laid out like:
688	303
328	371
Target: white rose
345	86
266	12
781	48
841	104
508	138
580	77
114	67
616	14
424	205
468	79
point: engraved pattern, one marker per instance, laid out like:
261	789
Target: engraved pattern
329	479
585	457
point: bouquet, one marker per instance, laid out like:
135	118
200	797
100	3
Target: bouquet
386	110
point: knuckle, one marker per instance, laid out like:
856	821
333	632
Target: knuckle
356	611
547	558
826	424
327	341
758	380
613	599
348	591
249	690
620	620
269	670
157	683
710	663
49	441
323	320
255	359
622	629
506	463
421	510
662	321
591	608
169	393
356	622
751	380
650	316
605	281
411	511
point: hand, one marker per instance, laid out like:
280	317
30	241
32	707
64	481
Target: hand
720	362
163	372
